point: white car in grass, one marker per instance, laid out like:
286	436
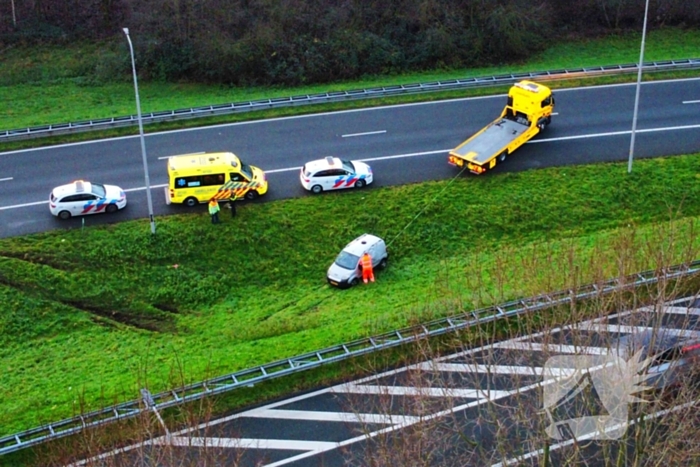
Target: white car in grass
81	198
333	173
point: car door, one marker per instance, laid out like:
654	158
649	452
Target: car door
324	179
70	203
89	204
337	178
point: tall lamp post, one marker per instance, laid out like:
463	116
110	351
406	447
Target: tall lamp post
143	141
639	84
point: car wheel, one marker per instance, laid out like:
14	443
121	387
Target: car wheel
354	281
360	183
191	202
251	195
111	208
502	156
65	215
316	189
382	264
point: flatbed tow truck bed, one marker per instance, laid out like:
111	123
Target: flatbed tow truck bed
493	139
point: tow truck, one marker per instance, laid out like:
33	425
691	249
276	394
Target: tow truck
528	112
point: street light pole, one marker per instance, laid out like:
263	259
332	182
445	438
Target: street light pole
639	85
143	141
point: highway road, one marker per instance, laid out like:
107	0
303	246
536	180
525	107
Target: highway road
478	407
404	144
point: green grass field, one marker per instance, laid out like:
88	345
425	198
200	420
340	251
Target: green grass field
55	85
92	315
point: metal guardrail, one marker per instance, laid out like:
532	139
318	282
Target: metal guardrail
338	96
251	376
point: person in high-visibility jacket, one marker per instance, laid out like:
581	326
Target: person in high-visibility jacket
214	210
366	265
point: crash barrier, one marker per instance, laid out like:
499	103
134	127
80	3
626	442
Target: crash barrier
339	96
252	376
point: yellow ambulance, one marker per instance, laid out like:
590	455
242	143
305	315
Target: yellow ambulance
197	178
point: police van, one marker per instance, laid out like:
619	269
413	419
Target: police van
197	178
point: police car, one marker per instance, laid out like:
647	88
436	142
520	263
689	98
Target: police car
333	173
80	198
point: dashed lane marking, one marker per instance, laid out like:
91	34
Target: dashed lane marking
367	133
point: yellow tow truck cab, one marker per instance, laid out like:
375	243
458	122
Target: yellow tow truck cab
527	113
197	178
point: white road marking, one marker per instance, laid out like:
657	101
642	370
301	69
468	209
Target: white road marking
288	169
6	179
188	154
347	417
414	391
496	369
586	437
418	154
624	329
143	188
37	203
245	443
393	427
681	310
323	114
24	205
373	159
692	102
367	133
552	348
615	133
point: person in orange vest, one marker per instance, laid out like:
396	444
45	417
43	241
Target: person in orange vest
366	265
214	210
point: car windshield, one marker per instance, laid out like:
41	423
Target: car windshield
247	171
99	190
347	165
347	260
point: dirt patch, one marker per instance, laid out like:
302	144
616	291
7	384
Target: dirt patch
29	258
166	307
157	323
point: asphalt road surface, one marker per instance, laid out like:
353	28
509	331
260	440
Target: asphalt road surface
404	144
479	407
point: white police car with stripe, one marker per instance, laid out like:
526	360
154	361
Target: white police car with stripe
333	173
81	198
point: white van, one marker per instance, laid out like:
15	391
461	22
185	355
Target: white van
345	270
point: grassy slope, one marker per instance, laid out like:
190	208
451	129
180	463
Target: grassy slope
57	83
96	314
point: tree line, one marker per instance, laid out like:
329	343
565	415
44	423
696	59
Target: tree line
291	42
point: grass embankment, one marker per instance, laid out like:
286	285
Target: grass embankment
92	315
67	84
